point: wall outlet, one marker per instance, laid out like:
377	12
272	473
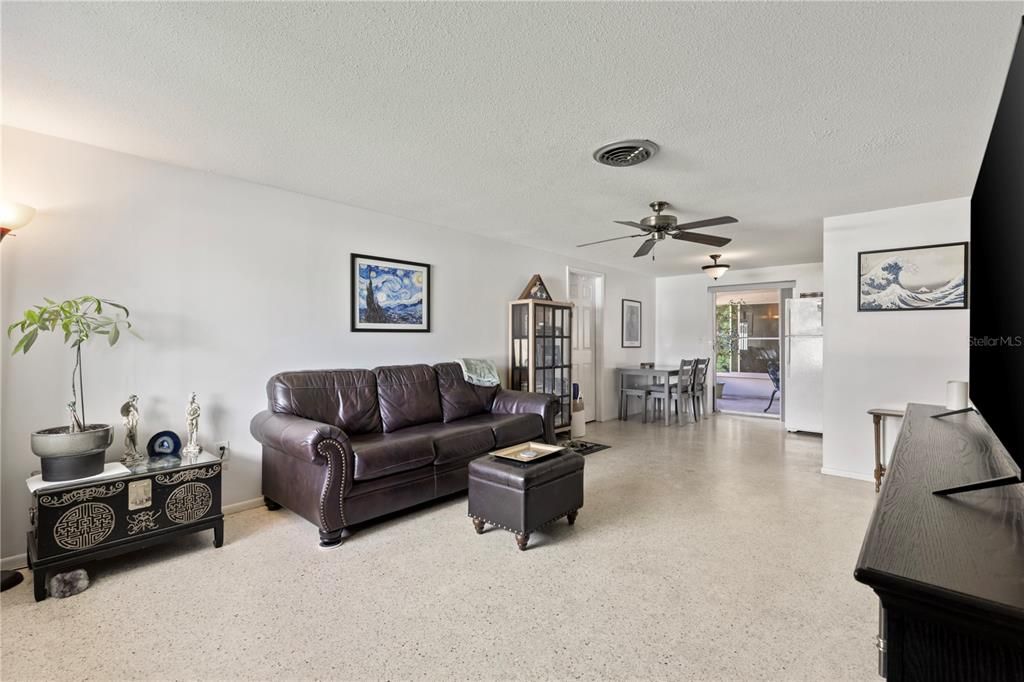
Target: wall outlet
223	449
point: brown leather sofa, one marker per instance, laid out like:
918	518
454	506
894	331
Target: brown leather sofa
341	447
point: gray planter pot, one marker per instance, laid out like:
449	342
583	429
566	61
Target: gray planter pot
66	456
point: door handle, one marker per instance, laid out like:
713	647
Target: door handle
789	353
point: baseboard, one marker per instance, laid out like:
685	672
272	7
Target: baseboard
19	561
847	474
13	563
242	506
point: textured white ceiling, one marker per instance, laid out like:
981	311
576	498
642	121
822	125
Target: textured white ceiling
482	117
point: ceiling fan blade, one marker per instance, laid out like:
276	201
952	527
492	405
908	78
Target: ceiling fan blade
645	248
630	223
699	238
710	222
602	241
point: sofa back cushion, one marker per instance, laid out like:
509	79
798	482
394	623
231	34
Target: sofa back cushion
459	398
346	398
407	395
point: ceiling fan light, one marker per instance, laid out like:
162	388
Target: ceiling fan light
715	270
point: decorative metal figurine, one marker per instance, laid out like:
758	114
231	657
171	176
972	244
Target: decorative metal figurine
130	415
192	448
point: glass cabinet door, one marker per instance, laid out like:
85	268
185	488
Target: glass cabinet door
551	350
519	352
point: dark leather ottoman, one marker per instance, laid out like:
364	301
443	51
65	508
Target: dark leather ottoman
523	497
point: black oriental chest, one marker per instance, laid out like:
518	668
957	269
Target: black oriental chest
75	522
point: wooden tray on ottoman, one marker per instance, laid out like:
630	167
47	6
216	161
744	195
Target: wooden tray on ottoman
517	452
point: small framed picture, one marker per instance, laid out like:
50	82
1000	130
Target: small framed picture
631	323
389	295
140	494
914	278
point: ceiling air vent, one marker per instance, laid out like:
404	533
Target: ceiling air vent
625	153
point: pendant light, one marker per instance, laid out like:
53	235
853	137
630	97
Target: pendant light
717	269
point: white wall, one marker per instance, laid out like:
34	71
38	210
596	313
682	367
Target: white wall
230	282
684	306
884	359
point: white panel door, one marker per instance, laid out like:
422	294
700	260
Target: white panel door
583	292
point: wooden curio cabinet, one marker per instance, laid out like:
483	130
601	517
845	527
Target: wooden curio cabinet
540	352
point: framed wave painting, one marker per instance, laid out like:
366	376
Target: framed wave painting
916	278
389	295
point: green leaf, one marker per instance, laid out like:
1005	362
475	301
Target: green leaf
31	336
78	319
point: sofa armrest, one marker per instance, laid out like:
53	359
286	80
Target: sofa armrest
304	439
523	402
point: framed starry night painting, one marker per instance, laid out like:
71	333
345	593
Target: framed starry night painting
389	295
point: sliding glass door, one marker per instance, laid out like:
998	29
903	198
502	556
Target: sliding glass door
747	351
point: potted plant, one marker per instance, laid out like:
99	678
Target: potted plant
77	449
726	344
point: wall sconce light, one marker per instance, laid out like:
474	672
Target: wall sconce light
13	216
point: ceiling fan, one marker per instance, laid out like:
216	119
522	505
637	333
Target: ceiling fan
659	227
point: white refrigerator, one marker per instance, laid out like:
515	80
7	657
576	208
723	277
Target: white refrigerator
803	351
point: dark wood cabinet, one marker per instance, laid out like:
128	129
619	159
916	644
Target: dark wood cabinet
948	570
77	522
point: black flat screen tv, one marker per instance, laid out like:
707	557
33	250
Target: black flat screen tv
997	271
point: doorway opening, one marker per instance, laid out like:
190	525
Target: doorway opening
748	344
586	292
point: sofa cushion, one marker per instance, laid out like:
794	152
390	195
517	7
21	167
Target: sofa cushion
509	429
459	398
346	398
408	396
382	454
457	441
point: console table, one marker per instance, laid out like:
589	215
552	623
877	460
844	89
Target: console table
948	570
74	522
877	415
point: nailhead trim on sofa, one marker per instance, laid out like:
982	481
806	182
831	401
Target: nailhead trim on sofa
330	478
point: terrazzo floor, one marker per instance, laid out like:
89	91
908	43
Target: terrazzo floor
709	551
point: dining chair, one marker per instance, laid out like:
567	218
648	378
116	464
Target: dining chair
679	392
627	392
698	394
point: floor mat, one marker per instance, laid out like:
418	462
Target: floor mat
583	447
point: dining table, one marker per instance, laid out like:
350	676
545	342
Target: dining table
659	374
